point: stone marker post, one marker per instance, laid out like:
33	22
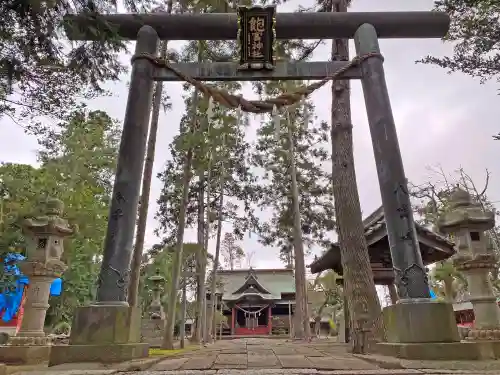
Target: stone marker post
45	235
468	222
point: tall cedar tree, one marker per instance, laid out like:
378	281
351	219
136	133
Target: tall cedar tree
299	149
359	287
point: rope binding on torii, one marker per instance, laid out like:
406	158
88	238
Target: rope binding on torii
255	106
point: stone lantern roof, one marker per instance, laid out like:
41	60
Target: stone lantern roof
51	223
156	278
464	213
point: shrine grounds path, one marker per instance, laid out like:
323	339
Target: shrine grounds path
263	356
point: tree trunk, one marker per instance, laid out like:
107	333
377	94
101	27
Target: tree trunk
393	293
197	335
200	276
183	319
206	239
168	339
359	286
302	328
217	254
133	291
347	321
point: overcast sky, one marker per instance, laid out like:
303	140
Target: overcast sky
442	119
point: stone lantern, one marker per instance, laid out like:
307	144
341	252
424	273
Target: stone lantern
152	326
156	308
467	221
44	235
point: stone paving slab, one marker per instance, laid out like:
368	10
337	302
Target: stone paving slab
233	351
294	361
260	352
67	372
234	361
284	350
285	357
174	372
199	363
332	363
298	372
169	364
263	361
310	352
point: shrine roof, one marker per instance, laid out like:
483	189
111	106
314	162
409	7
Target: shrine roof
433	246
268	284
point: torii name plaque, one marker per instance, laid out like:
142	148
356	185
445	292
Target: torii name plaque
256	36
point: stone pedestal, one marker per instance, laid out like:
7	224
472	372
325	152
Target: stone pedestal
25	354
442	351
428	331
152	331
420	322
104	334
420	329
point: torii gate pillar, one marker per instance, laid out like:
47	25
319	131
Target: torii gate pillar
415	319
109	329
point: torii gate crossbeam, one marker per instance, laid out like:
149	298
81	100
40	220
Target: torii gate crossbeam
223	26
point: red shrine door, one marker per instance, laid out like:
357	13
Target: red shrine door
249	321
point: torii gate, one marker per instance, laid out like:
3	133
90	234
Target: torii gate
148	29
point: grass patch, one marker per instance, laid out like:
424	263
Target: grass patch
166	352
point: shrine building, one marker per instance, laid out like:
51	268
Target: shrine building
433	247
257	301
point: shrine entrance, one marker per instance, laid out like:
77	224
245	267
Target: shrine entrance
252	319
260	65
257	63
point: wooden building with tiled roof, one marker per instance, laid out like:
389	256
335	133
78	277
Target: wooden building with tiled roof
433	247
257	301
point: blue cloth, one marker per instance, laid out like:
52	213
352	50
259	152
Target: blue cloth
56	287
10	302
433	295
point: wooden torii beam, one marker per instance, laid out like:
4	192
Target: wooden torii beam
223	26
